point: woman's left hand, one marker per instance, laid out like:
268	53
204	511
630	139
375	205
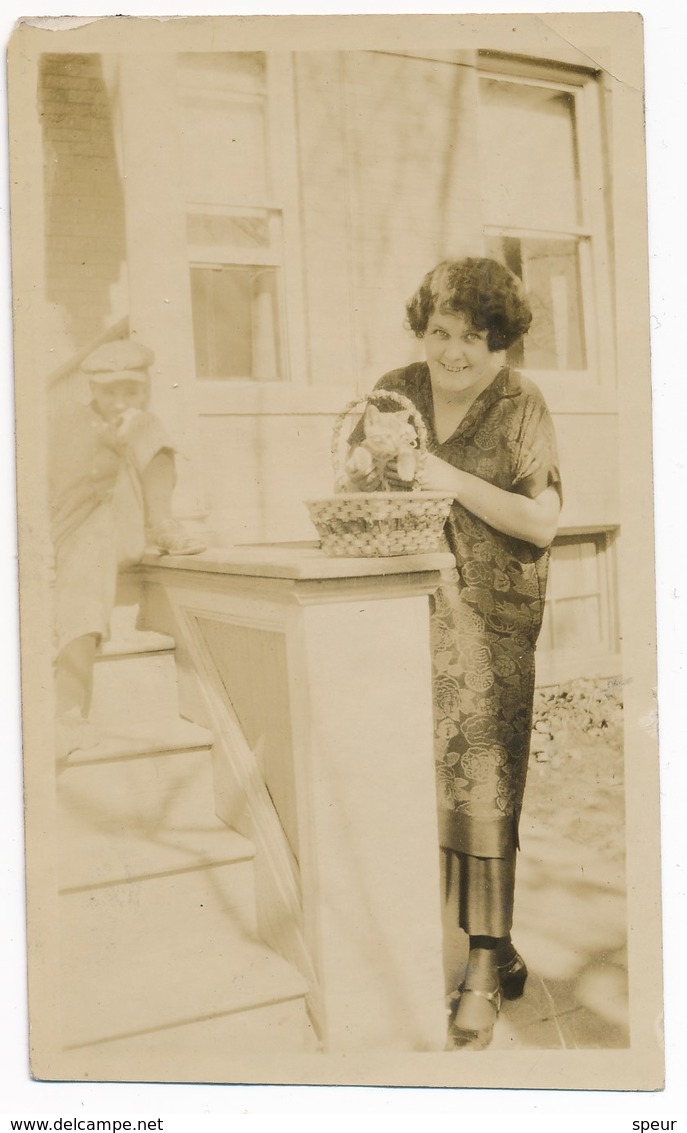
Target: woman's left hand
534	520
393	479
438	476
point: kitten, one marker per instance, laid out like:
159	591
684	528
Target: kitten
387	437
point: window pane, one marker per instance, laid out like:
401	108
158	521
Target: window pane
550	272
222	127
578	623
574	569
528	155
545	641
577	596
235	323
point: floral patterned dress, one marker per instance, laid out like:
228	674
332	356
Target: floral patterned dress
487	613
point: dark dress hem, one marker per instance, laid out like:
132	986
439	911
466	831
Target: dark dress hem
496	838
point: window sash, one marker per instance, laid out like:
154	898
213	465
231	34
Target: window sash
591	231
577	322
525	142
281	251
251	295
217	251
595	591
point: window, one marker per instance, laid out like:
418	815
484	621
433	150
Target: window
234	225
551	273
579	614
236	305
543	213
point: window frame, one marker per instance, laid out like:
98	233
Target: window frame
594	388
602	659
221	394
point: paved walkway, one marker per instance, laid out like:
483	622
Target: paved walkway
570	926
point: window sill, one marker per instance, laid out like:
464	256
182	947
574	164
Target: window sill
587	529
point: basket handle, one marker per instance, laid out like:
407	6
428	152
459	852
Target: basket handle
374	397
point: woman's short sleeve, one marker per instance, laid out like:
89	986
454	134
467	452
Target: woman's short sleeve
537	464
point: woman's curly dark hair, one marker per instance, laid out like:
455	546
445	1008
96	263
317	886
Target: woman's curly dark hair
486	292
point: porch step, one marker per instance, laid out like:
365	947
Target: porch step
163	952
127	612
136	818
129	740
163	977
213	1050
134	685
125	641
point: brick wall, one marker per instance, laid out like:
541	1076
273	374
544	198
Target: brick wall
85	242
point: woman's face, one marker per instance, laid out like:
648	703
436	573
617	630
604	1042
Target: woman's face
458	357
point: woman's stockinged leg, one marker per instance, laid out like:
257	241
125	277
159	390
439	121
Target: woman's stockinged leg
485	895
479	1001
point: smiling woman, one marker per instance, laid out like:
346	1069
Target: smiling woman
492	446
460	362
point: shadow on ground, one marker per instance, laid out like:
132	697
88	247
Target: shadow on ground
570	926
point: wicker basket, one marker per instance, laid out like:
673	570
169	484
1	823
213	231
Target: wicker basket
379	524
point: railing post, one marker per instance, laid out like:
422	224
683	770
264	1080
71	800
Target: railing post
367	818
326	666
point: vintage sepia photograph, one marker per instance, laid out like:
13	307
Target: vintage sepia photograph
337	601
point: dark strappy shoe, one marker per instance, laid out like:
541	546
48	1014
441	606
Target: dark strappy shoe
512	977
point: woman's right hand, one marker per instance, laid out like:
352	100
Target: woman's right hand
369	481
379	480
